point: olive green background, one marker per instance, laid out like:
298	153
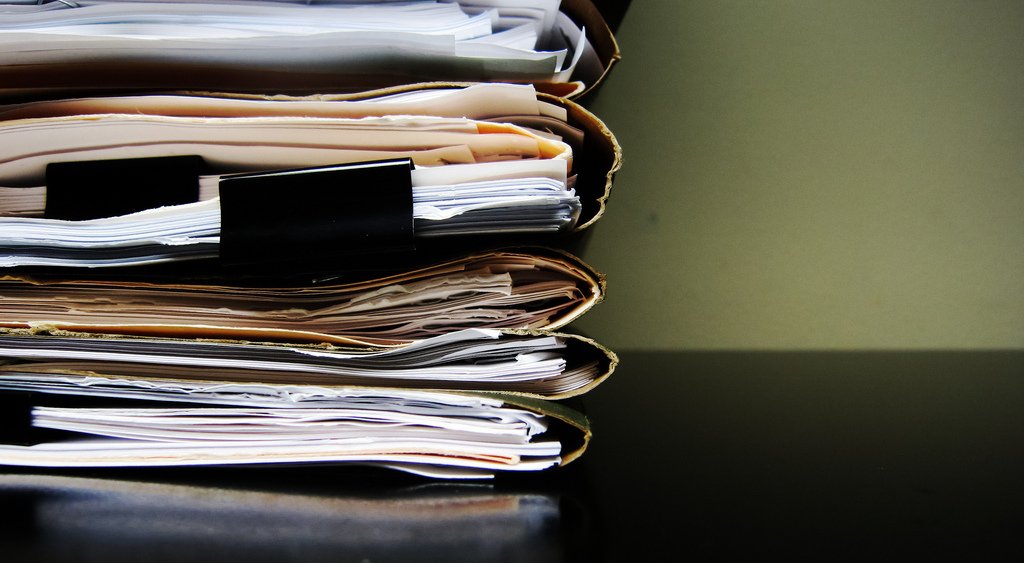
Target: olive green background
815	175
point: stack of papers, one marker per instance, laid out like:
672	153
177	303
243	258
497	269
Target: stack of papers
553	365
146	132
277	392
511	168
194	43
301	404
439	434
528	289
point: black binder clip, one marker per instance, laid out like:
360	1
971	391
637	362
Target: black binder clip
16	418
76	191
310	214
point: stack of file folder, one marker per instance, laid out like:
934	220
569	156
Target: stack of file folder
246	232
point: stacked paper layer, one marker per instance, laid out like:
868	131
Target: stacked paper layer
440	363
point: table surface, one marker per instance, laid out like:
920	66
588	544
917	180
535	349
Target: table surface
703	456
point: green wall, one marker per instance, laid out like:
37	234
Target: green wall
815	175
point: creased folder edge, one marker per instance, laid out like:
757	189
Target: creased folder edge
567	415
609	144
586	14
